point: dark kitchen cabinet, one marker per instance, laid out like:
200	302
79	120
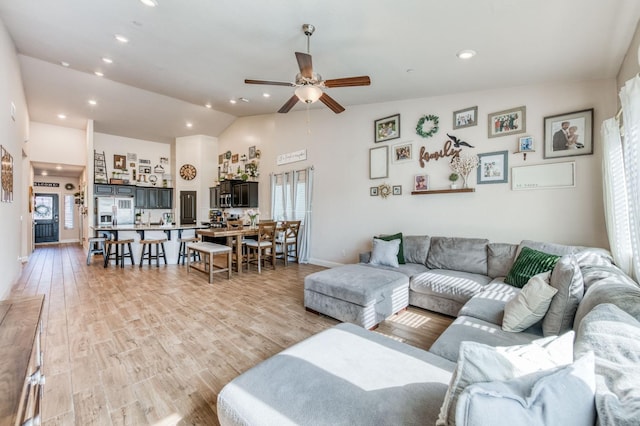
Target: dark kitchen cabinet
102	189
141	198
214	197
245	194
154	198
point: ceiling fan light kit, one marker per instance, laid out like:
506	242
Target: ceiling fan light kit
309	85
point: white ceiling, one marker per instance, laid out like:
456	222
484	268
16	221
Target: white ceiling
183	54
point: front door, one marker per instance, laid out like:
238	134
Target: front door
188	207
45	218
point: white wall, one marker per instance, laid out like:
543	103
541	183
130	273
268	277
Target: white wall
630	67
14	219
56	144
64	235
345	217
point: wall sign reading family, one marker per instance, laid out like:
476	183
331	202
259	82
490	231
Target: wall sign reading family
568	135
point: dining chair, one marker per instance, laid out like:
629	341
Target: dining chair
239	259
287	241
263	248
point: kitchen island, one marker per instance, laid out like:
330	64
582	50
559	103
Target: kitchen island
139	232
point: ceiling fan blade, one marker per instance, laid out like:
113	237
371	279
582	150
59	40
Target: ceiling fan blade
304	62
289	104
272	83
331	103
349	81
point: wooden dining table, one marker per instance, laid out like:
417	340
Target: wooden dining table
229	234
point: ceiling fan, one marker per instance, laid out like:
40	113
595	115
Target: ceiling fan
309	85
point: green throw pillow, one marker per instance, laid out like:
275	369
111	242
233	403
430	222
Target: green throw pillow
397	236
530	262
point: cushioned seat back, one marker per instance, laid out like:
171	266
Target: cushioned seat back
458	254
500	257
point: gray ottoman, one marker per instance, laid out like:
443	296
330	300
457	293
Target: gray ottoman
359	294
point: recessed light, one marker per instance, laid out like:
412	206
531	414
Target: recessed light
207	105
62	116
64	64
233	101
266	95
189	125
466	54
121	38
107	60
44	173
150	3
93	102
58	167
99	74
244	100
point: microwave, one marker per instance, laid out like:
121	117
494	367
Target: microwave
225	200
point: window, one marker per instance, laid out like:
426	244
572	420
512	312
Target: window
69	204
289	197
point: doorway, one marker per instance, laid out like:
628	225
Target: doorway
188	207
46	218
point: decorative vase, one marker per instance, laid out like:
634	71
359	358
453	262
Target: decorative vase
454	186
253	221
464	181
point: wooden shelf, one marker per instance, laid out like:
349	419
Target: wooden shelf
443	191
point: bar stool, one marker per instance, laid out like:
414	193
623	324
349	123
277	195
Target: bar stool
120	253
96	246
182	251
147	251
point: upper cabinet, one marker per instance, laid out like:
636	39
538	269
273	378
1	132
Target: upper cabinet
234	193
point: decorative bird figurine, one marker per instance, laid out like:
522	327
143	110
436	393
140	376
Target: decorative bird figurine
457	142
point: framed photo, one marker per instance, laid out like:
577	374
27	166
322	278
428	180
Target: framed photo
373	191
220	159
225	167
235	158
379	162
145	170
6	175
252	152
493	167
568	135
387	128
465	118
119	162
421	183
397	189
402	152
525	144
508	122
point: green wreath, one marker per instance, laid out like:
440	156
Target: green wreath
434	128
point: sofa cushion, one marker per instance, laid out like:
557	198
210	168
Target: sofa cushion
342	376
614	337
416	248
567	279
456	285
397	236
385	253
624	293
530	305
471	329
458	254
488	305
551	248
561	396
529	263
482	363
500	257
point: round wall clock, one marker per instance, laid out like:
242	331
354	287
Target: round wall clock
187	172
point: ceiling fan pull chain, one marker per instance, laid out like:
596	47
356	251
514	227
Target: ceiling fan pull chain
308	121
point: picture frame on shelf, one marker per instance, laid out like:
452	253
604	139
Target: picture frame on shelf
402	152
467	117
397	189
373	191
252	152
525	144
493	167
387	128
379	162
569	134
119	162
421	183
507	122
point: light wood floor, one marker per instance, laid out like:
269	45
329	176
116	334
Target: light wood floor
154	346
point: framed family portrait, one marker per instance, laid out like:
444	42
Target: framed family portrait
493	167
421	183
387	128
465	117
508	122
568	135
402	152
379	162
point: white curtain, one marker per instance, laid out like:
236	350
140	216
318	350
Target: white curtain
305	234
615	196
630	99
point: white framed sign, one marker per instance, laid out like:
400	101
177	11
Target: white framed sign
291	157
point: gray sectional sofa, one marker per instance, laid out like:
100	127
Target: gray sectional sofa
348	375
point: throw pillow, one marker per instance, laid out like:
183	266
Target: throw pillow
482	363
529	262
561	396
397	236
567	278
530	305
385	253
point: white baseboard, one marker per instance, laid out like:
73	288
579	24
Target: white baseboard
325	263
